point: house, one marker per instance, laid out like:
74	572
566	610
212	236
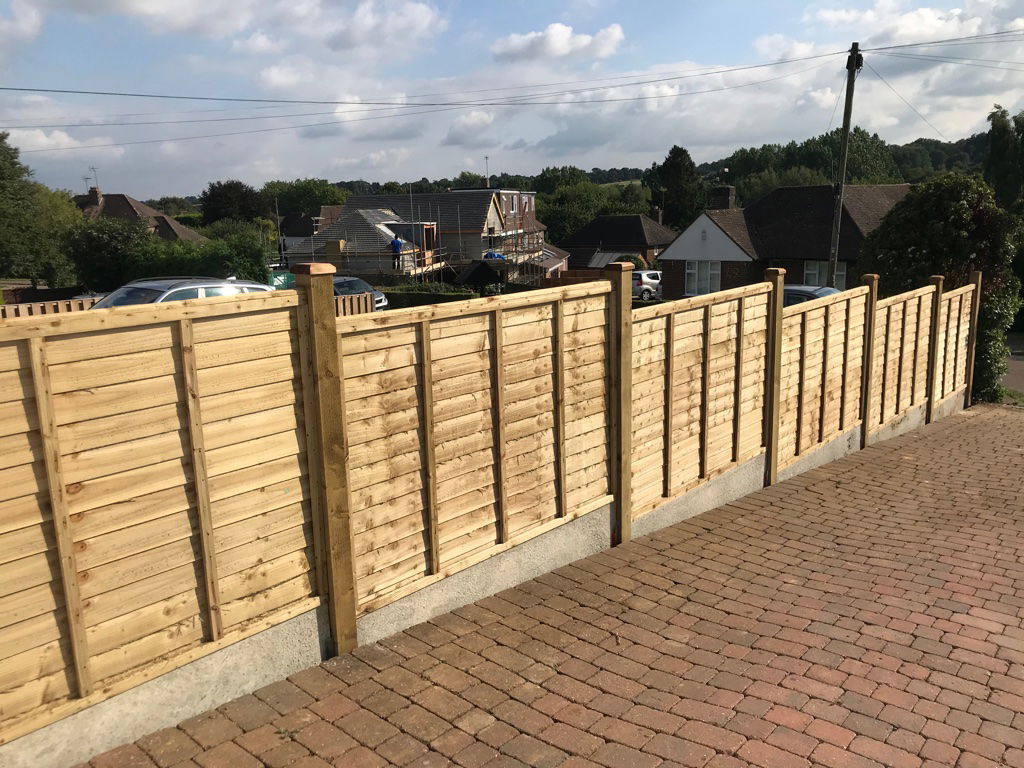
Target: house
293	228
117	206
359	242
790	227
610	238
470	222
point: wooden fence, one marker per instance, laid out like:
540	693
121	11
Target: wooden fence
355	304
176	477
8	311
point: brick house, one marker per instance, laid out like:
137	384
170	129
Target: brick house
790	227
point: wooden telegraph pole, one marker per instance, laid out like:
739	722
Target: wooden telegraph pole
853	64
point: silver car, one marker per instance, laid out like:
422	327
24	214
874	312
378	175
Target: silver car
646	284
156	290
349	286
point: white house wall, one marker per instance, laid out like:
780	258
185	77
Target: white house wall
692	246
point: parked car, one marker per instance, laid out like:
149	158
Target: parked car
156	290
646	284
349	286
797	294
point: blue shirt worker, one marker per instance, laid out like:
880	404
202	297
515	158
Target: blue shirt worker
396	252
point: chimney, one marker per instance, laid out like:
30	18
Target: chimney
723	197
657	213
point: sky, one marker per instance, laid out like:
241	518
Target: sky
608	83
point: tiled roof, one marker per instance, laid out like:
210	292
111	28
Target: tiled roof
364	230
796	222
120	206
630	231
464	209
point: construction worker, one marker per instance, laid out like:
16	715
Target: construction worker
396	253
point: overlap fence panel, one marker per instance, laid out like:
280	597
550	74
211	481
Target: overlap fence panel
820	377
472	426
698	390
32	309
953	332
178	476
899	379
153	492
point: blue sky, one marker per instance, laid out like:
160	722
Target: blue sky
394	50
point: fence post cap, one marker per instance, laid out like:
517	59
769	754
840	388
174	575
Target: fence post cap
937	279
774	272
620	266
314	268
869	278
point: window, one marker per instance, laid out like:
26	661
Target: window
515	203
703	277
222	290
816	273
182	293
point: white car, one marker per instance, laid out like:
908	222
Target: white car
646	284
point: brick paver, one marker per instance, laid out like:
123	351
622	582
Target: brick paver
865	614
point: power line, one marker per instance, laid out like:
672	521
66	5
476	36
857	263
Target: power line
361	102
942	60
404	114
947	40
912	107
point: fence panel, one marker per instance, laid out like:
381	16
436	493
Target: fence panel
698	390
154	492
822	349
32	309
900	371
954	331
472	426
353	304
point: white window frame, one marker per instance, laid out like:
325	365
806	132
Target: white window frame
703	277
515	204
816	273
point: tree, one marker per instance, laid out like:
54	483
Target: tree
755	186
34	224
550	179
627	199
172	206
681	187
230	199
300	196
950	226
570	207
468	180
1004	165
108	253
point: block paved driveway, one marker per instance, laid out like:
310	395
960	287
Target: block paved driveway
866	613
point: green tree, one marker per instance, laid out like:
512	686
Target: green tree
627	199
230	199
109	252
34	224
172	206
950	226
468	180
570	207
1004	165
681	187
755	186
300	196
551	178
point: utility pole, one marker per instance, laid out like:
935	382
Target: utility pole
280	239
853	65
95	176
487	172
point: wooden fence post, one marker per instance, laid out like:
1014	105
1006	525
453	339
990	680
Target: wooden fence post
933	347
620	365
330	448
972	335
772	373
868	364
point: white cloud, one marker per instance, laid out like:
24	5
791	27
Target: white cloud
558	41
378	159
28	140
257	43
208	18
387	27
23	24
470	130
